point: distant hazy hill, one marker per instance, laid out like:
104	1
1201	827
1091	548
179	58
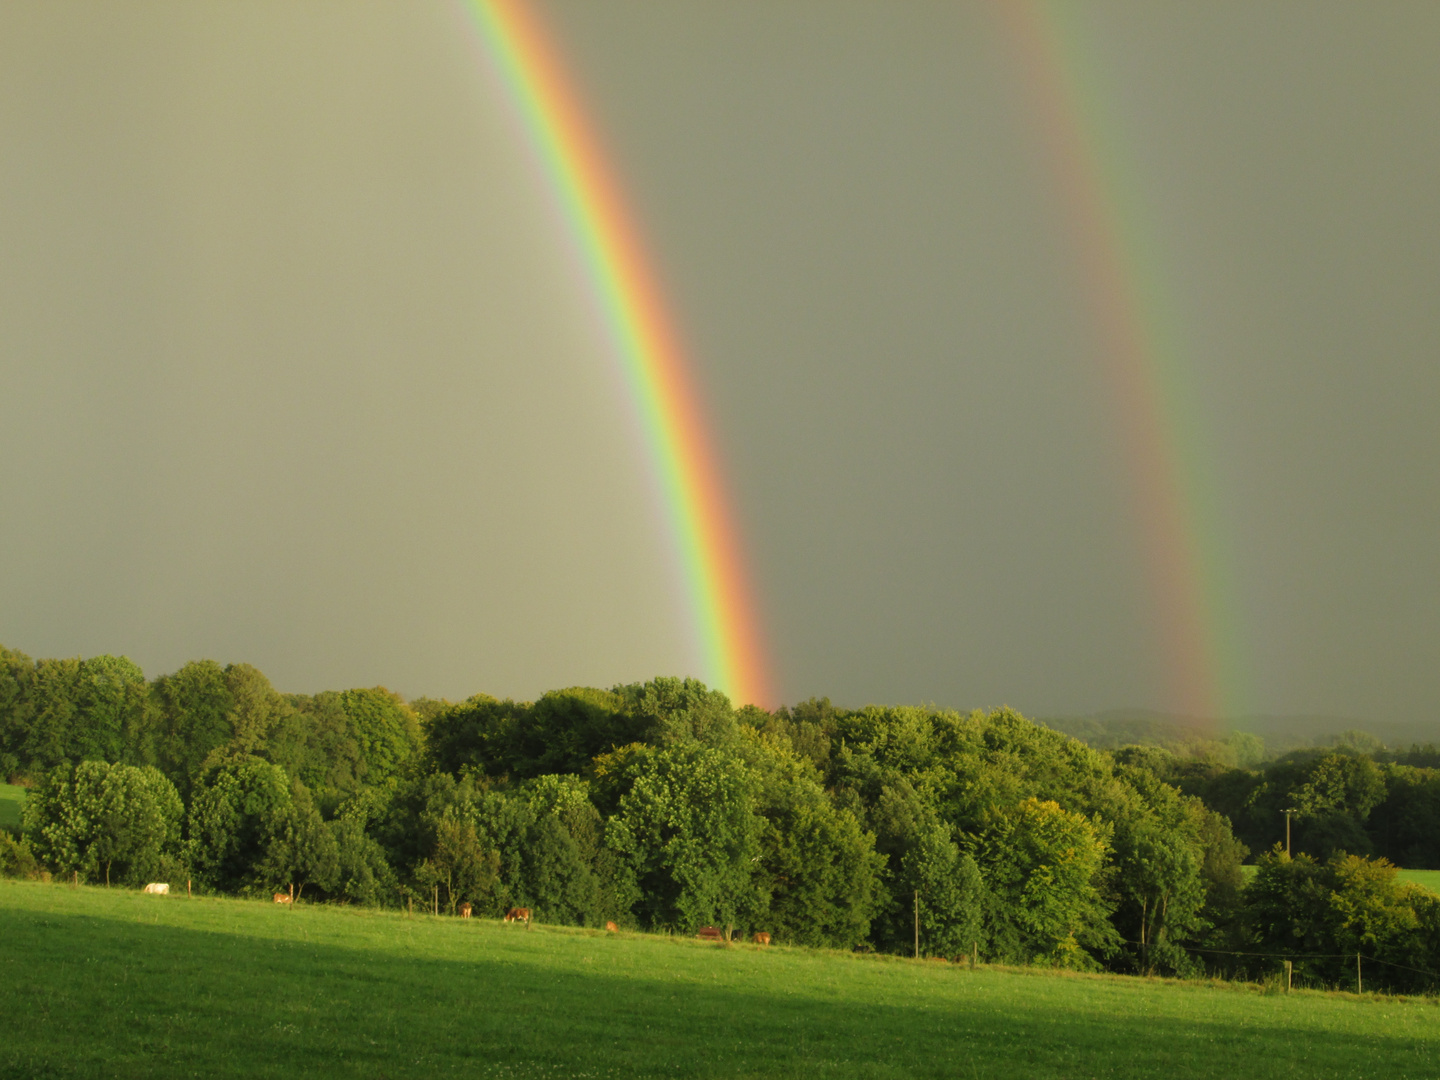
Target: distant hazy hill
1280	734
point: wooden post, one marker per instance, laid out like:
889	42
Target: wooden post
75	879
187	886
437	900
292	895
1359	986
974	955
1289	975
917	924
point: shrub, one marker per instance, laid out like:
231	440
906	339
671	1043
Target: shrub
16	860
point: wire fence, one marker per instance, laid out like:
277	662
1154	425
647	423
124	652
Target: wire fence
1293	956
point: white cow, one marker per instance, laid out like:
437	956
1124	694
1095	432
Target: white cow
159	888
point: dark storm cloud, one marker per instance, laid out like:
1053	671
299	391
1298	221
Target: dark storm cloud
297	369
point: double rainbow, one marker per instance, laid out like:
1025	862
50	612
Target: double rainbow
654	364
1173	499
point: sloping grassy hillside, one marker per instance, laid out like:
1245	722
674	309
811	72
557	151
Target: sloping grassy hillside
12	801
1428	878
109	983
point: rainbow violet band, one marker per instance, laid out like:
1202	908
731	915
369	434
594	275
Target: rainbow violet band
702	523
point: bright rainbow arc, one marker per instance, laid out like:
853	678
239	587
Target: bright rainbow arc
702	524
1173	495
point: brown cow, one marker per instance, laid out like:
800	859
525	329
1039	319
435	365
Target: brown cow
761	937
518	914
465	910
284	898
612	928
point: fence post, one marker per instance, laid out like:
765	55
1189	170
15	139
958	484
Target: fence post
917	924
1289	975
1359	986
974	955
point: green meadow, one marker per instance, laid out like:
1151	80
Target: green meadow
1430	879
114	983
12	801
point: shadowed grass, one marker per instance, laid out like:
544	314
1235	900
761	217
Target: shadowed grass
96	982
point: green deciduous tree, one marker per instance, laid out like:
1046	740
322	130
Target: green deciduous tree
242	806
687	834
362	874
1042	864
17	709
819	868
301	850
386	731
949	891
105	821
194	719
1326	912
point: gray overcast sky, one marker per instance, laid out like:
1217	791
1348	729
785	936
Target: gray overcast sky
295	367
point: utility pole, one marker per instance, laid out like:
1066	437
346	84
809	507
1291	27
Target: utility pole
1287	814
917	924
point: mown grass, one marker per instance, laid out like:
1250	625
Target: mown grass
12	801
1430	879
95	982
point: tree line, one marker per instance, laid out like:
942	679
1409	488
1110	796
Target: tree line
661	806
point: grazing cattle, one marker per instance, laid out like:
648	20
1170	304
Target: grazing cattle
518	914
711	933
284	898
159	888
762	938
465	911
612	928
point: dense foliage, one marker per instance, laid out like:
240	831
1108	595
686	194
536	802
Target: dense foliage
1359	800
660	806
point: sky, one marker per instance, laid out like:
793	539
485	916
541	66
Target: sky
298	367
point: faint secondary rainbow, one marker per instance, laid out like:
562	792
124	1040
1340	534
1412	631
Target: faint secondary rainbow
1173	496
656	371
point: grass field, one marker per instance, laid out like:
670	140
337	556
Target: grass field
97	983
1430	879
12	801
